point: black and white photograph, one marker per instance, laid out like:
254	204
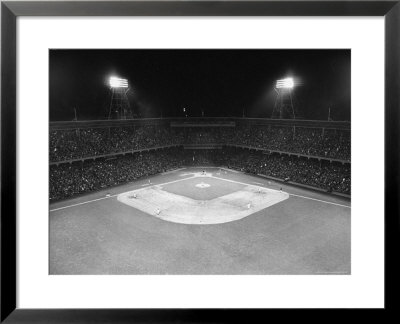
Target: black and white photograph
199	162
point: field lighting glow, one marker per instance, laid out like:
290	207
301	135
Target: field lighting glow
287	83
118	83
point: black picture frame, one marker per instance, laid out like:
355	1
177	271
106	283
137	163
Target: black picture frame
10	10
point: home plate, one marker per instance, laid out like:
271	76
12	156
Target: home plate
202	185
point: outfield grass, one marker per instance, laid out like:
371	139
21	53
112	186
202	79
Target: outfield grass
308	233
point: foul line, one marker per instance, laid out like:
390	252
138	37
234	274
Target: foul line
172	171
327	202
161	184
111	196
83	203
231	170
290	194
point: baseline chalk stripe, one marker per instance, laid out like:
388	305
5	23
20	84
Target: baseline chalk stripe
196	175
107	197
323	201
304	197
172	171
230	170
83	203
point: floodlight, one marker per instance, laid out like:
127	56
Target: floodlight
285	83
118	83
119	106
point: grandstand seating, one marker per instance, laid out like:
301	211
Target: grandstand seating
91	157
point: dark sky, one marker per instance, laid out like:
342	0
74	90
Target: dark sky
220	82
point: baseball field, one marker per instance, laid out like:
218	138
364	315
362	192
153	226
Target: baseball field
201	221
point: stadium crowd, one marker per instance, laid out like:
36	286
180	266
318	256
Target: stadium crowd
321	174
333	144
86	142
67	180
308	141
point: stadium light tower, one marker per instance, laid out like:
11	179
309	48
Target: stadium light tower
284	107
119	106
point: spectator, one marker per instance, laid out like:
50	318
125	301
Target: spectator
67	180
79	143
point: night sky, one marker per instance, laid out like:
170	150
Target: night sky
220	82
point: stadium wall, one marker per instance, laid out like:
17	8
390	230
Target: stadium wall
203	121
